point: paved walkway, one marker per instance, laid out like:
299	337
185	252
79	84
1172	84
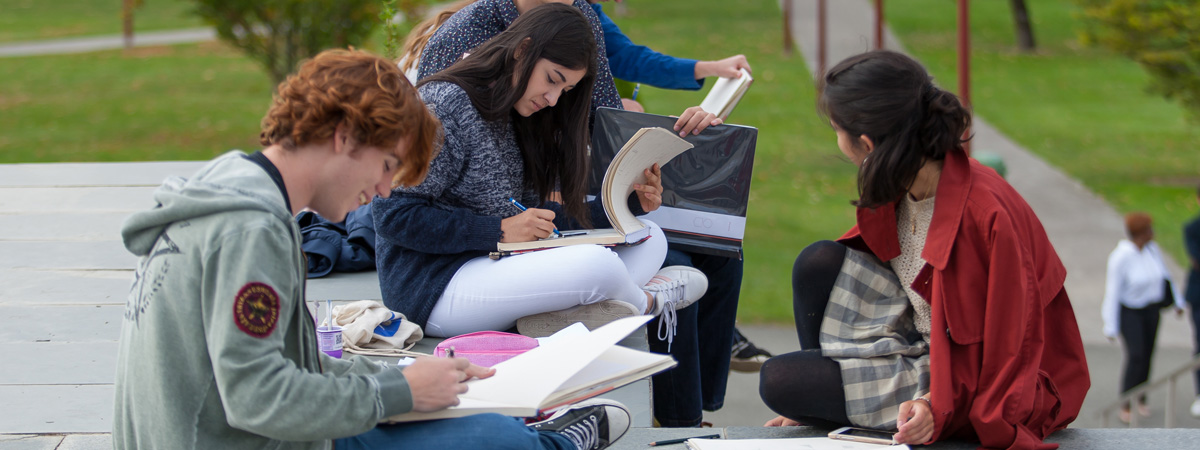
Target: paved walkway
109	42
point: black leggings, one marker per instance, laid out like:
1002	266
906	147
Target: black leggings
805	386
1139	328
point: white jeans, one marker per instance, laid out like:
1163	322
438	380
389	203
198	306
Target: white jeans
488	294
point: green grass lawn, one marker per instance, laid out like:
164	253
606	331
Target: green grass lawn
182	102
1081	109
196	101
1084	110
24	20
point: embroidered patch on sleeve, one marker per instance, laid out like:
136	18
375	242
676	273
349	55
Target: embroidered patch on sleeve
256	309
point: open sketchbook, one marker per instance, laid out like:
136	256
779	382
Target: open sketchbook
556	373
647	147
815	443
726	93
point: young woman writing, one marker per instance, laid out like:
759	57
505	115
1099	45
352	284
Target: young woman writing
514	117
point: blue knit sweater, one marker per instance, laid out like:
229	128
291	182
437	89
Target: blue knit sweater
426	233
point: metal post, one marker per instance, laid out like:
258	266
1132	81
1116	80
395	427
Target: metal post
789	45
127	23
1171	403
964	61
822	42
878	24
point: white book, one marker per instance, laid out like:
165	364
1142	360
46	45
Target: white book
555	374
647	147
726	93
814	443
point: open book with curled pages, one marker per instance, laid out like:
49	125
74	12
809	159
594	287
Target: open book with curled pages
647	147
555	374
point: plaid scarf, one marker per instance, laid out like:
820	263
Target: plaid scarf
868	329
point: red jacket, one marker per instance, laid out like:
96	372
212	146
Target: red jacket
1009	368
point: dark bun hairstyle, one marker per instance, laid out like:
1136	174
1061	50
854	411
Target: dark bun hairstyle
891	99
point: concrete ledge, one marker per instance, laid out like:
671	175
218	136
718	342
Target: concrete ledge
639	438
1071	438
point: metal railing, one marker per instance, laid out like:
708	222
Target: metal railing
1139	390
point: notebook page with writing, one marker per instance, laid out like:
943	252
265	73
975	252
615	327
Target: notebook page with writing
647	147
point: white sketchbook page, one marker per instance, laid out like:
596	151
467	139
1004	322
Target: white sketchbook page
816	443
725	92
530	378
647	147
616	363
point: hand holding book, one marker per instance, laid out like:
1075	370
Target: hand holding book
650	193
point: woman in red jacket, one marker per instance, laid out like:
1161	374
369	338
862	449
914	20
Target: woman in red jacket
941	313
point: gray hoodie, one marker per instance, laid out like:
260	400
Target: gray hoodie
218	349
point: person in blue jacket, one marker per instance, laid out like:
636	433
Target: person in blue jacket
704	358
1191	238
640	64
705	332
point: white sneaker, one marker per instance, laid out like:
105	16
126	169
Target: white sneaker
674	288
592	316
1196	408
590	425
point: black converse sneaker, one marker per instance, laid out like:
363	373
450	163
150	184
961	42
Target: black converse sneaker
746	356
591	425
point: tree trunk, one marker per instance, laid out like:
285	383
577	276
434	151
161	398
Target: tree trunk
1024	31
127	22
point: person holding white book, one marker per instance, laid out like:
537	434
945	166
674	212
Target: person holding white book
514	118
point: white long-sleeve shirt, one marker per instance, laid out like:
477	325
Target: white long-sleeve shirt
1134	280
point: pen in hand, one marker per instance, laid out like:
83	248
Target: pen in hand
523	208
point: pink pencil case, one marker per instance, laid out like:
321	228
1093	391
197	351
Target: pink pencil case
486	348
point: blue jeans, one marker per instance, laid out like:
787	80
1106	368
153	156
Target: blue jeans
702	344
478	431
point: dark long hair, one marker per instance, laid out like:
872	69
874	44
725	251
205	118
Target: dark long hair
553	141
891	99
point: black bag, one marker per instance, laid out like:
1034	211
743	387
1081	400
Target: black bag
1168	299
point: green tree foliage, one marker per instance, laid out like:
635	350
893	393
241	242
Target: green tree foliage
398	18
281	33
1163	36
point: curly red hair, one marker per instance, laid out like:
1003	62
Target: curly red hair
367	94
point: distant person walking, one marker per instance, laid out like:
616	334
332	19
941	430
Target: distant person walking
1137	287
1191	239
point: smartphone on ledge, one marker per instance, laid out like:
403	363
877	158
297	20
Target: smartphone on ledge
862	435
